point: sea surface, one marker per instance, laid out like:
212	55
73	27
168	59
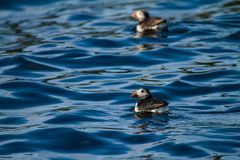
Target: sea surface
68	68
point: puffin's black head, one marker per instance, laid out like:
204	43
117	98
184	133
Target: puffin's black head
142	93
140	15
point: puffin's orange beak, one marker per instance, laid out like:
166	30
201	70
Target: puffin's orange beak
134	95
133	15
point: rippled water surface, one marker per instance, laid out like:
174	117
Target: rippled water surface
67	69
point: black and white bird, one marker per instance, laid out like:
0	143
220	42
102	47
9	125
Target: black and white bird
147	23
147	103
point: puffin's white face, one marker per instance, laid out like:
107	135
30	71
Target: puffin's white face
141	93
139	15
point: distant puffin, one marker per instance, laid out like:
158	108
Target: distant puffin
147	23
147	103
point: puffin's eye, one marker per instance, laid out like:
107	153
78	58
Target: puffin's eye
142	91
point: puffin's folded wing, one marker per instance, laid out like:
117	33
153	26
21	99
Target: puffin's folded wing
150	104
159	104
155	22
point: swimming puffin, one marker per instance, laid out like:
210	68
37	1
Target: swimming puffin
148	104
147	23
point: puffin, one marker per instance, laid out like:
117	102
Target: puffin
148	104
147	23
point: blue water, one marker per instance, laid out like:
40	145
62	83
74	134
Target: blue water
67	69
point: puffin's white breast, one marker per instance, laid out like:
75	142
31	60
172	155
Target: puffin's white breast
139	28
136	109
